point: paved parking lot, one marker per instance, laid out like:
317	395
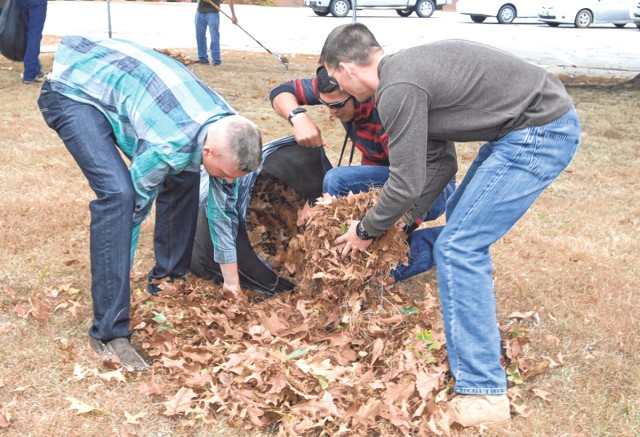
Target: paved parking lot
599	51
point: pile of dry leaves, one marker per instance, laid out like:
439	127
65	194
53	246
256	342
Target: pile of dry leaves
177	55
344	354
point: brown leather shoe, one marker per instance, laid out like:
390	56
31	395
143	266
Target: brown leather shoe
122	349
479	410
98	346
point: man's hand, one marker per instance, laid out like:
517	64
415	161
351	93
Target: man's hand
231	278
351	241
306	132
231	288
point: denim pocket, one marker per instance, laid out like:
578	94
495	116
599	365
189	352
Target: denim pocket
554	145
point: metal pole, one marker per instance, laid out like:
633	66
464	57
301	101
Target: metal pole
353	17
109	16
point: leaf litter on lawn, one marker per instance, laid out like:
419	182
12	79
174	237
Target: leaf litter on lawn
346	353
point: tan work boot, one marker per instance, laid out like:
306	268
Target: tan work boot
479	410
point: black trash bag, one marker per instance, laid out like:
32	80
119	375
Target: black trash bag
302	169
13	32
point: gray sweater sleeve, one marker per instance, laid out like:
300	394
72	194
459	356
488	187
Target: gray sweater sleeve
419	168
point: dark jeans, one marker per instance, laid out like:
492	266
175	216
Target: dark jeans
34	13
176	221
89	137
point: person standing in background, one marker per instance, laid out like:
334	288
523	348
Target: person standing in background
207	15
34	13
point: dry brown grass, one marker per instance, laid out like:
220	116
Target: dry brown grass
574	259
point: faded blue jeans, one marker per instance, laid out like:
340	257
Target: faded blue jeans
88	136
211	20
359	178
502	183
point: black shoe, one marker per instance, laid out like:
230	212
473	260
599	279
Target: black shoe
121	348
202	61
38	79
153	285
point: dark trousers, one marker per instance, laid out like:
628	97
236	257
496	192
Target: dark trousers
34	13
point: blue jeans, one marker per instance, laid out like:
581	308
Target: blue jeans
88	136
358	178
502	183
34	13
340	180
211	20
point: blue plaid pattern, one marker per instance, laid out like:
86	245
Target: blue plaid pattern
159	112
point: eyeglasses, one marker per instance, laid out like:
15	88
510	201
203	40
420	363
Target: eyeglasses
336	105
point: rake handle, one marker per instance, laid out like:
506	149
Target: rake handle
241	28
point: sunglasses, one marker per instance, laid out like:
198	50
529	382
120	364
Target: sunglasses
332	80
336	105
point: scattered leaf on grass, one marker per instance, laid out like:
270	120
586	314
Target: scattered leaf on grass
133	418
79	406
6	327
5	417
116	375
544	395
151	388
180	402
21	309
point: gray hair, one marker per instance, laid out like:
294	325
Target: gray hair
245	142
351	42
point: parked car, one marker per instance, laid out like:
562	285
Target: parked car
584	13
504	10
404	8
635	15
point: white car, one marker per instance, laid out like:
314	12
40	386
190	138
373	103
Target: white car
584	13
404	8
635	15
504	10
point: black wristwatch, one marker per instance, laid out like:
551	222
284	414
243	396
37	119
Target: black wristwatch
294	113
362	233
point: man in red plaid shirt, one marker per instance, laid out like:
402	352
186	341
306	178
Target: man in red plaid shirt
366	133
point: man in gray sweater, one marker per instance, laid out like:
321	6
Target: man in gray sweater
461	91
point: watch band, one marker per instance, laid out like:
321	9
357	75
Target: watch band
362	233
295	112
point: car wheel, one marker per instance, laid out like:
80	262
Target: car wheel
404	12
322	13
553	24
339	8
506	15
425	8
478	18
619	25
584	18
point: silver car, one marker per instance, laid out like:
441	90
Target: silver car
505	11
404	8
584	13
